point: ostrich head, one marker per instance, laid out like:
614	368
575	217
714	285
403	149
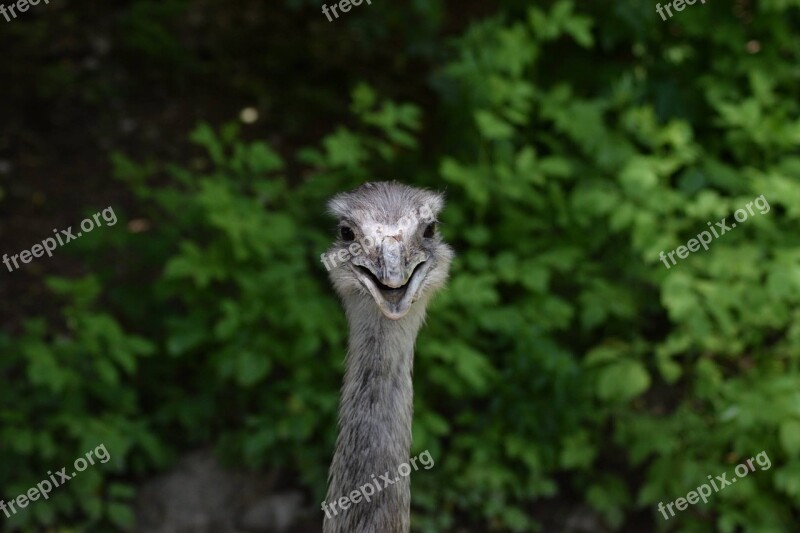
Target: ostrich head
389	250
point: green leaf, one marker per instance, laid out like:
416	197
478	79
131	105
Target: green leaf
622	380
578	452
789	434
344	148
262	159
121	515
492	127
251	368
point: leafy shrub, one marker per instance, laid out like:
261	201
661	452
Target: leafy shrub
634	380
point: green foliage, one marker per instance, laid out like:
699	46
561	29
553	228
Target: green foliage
564	363
238	311
581	189
67	398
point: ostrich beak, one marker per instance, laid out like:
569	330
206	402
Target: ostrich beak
393	282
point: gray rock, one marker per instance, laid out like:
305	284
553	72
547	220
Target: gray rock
201	496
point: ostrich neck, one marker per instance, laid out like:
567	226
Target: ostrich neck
375	420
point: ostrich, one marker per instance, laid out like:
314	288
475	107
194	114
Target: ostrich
385	291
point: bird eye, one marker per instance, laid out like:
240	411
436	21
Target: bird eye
347	234
430	229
